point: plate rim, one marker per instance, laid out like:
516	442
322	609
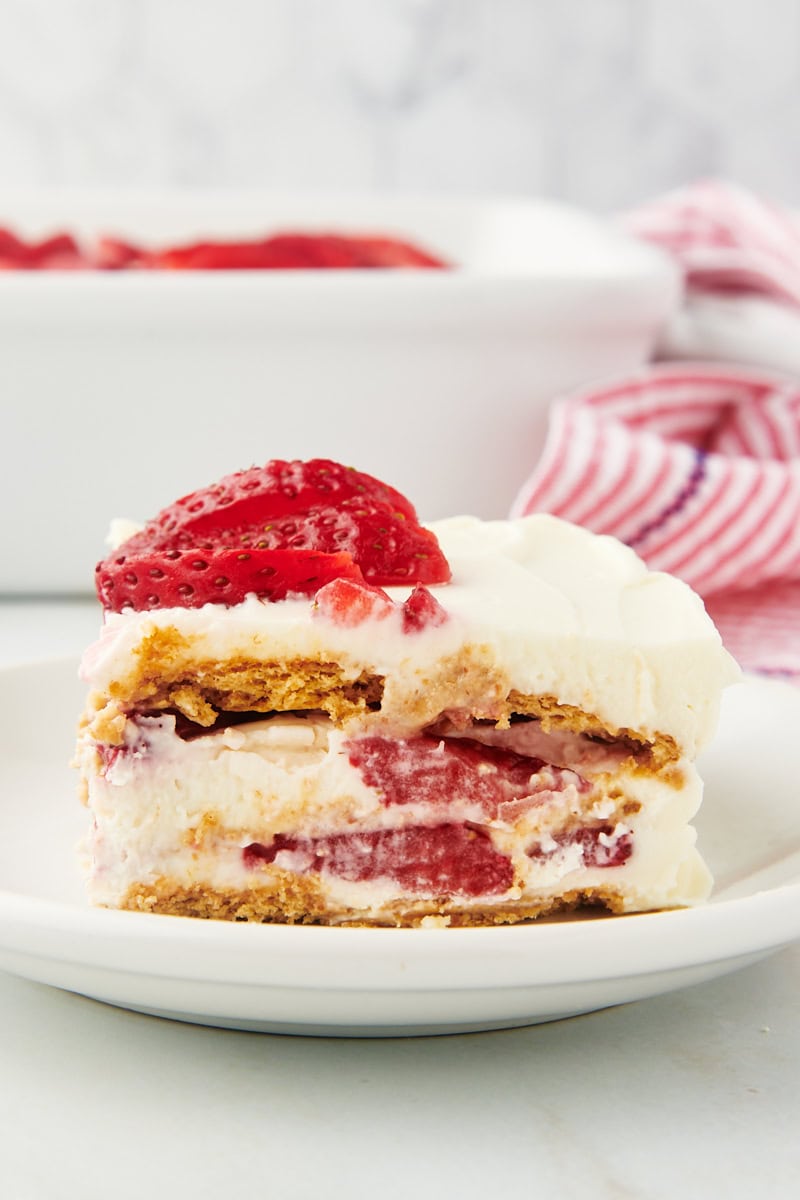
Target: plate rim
107	938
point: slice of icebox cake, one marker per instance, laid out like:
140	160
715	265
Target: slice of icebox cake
306	706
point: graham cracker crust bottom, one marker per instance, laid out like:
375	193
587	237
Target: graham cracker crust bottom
295	900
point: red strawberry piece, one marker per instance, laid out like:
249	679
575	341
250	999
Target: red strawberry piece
594	852
284	251
280	253
190	579
206	256
389	549
392	252
115	254
318	507
13	252
448	859
315	252
430	770
291	252
349	602
422	611
59	252
261	494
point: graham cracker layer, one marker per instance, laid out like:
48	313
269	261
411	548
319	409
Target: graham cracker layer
293	900
164	675
649	753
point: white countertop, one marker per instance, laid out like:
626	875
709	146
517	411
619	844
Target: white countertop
692	1094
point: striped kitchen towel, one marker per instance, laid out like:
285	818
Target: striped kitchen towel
726	239
696	464
696	467
740	257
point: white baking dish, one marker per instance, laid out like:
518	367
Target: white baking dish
121	391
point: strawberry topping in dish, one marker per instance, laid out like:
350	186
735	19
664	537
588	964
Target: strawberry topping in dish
57	253
280	252
288	528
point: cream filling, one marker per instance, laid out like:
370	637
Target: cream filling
550	608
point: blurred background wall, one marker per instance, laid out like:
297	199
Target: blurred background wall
601	102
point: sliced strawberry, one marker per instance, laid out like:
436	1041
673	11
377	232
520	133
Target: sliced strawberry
440	771
188	579
57	253
285	252
13	251
392	252
115	254
281	252
305	251
422	611
293	252
261	494
594	852
318	505
209	256
441	860
348	602
390	549
320	508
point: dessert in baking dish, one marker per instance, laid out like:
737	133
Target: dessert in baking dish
305	706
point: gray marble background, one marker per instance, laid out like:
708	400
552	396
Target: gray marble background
601	102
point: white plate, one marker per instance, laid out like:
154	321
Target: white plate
375	982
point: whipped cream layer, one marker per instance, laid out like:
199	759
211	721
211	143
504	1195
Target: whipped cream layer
550	608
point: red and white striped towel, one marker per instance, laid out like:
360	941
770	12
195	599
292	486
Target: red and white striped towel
697	465
726	239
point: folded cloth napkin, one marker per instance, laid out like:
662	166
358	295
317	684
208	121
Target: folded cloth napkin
726	239
741	261
696	465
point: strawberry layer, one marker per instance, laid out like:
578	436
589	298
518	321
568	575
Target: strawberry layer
447	859
377	821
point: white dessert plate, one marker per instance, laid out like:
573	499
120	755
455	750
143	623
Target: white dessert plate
376	982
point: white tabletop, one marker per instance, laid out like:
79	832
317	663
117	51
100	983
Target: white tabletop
692	1094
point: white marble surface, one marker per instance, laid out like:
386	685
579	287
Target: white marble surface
691	1095
601	102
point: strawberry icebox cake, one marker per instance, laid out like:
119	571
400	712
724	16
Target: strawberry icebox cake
306	706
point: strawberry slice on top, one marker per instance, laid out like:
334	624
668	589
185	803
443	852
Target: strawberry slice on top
284	529
279	489
190	579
